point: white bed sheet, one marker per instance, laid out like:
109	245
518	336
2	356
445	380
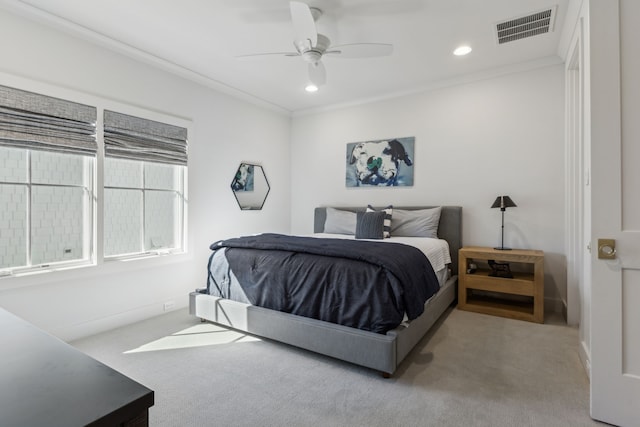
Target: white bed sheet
436	250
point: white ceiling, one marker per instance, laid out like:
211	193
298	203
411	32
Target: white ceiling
200	39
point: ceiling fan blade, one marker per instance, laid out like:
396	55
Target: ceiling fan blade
360	50
253	56
317	74
304	25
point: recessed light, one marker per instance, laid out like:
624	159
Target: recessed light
462	50
311	88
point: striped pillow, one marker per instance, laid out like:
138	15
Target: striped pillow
387	219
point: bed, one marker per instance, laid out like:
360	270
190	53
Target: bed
369	348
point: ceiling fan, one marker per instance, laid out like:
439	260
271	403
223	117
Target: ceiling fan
312	46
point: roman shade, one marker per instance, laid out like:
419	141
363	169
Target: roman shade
40	122
135	138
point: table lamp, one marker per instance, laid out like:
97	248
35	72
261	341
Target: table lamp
503	202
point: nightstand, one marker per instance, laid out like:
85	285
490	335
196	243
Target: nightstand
520	297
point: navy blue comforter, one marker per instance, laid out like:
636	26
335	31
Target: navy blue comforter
360	284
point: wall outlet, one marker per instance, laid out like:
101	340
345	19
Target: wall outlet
168	305
67	251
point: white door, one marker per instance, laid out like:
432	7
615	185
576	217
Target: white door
615	180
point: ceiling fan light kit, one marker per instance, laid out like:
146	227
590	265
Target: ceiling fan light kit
462	50
312	46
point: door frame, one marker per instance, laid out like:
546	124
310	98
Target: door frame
574	178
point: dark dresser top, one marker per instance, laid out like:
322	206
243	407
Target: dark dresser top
46	382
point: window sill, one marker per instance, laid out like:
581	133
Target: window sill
146	255
45	268
75	272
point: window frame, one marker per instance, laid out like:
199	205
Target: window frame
95	233
88	210
180	225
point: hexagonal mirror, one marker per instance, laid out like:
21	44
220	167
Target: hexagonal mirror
250	186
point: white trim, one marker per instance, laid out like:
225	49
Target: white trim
569	28
583	354
574	177
88	271
88	208
46	268
548	61
554	305
62	271
107	323
33	13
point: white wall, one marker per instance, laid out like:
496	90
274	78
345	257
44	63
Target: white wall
224	132
475	141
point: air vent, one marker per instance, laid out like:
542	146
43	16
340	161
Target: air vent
526	26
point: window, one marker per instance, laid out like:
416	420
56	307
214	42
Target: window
143	207
144	168
47	156
46	216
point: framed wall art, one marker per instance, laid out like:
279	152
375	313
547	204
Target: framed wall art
250	186
385	162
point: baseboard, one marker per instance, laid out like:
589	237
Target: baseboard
583	353
554	305
117	320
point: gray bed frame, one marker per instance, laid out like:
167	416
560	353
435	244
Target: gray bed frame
376	351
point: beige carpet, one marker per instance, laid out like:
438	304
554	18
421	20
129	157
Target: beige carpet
471	370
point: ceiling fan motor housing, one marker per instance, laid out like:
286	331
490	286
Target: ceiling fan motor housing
312	46
312	54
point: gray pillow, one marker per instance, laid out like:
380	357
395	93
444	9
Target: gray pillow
370	225
340	222
418	223
387	220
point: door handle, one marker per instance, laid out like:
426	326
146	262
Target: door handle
606	249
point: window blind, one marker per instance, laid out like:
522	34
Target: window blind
135	138
39	122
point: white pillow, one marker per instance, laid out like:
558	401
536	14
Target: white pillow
340	222
418	223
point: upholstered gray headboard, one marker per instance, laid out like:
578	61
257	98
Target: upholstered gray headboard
449	228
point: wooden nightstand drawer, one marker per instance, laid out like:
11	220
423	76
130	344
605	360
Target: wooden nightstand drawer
482	281
519	297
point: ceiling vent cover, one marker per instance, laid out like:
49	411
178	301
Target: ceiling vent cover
526	26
